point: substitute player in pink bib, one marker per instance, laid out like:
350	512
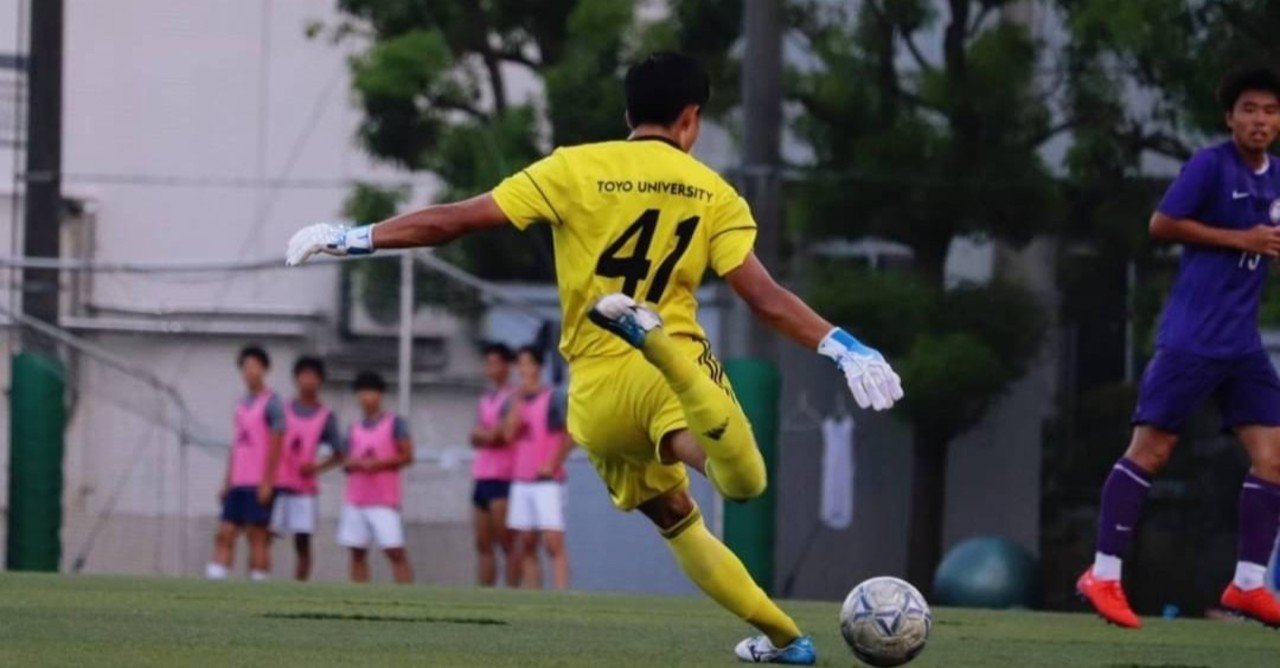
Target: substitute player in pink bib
308	424
377	449
535	424
492	468
249	487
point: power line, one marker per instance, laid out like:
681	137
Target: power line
228	182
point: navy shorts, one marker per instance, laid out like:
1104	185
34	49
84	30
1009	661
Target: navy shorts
241	507
1246	390
488	491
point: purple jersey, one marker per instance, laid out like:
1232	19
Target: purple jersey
1212	309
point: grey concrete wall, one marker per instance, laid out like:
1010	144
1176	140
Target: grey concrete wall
608	550
993	483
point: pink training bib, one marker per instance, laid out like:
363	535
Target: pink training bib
252	441
380	488
497	461
301	442
537	442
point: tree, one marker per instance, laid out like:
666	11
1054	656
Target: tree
434	83
922	151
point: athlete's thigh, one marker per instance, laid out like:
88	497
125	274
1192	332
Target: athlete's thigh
1250	393
619	409
682	446
1174	385
611	402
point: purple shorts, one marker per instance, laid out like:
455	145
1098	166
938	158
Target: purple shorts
1246	390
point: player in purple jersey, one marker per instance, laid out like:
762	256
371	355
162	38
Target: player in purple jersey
1224	208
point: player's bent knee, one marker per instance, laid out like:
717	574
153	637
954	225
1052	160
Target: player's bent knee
1151	448
669	510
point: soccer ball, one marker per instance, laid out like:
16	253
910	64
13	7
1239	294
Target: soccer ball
885	621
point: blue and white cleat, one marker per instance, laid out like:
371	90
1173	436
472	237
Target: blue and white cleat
760	650
621	315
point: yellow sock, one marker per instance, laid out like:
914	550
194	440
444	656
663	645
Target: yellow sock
718	573
735	466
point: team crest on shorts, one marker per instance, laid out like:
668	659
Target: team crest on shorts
1275	211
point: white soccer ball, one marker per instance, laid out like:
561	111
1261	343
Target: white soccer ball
886	621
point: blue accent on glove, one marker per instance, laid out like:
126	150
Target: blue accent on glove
359	240
851	343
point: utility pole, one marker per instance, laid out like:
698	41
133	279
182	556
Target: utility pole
749	527
37	393
762	114
44	159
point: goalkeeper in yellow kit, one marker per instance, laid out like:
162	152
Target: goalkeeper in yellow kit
636	224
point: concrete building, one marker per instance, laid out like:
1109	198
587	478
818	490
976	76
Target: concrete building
203	131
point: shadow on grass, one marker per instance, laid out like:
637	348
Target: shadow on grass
1154	665
360	617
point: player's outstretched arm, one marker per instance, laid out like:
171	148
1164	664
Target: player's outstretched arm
873	382
1260	239
431	226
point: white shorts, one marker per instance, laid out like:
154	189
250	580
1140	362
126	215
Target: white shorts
293	514
536	506
361	526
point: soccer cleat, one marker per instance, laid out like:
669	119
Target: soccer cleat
1108	600
622	316
1257	604
760	650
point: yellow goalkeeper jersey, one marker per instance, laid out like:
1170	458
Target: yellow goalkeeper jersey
640	217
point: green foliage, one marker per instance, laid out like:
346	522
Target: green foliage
1173	52
584	98
924	153
956	350
888	310
953	378
432	83
377	281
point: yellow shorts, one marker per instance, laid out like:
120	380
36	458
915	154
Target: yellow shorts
620	408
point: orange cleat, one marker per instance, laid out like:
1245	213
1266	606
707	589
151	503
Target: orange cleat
1257	604
1108	600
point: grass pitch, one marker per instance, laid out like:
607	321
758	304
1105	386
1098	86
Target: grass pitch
60	621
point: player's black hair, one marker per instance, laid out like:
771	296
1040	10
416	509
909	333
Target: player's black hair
369	380
662	85
256	352
534	353
1246	78
502	350
309	363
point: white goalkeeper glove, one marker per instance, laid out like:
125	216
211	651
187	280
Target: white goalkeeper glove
873	382
331	239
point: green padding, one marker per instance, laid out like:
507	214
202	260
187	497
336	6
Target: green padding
749	527
37	420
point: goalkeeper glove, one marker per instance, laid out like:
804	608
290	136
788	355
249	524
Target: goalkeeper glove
873	382
331	239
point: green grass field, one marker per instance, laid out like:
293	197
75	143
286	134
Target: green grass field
60	621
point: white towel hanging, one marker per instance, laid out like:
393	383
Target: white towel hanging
837	472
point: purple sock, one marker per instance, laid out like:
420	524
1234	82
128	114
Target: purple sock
1122	498
1259	519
